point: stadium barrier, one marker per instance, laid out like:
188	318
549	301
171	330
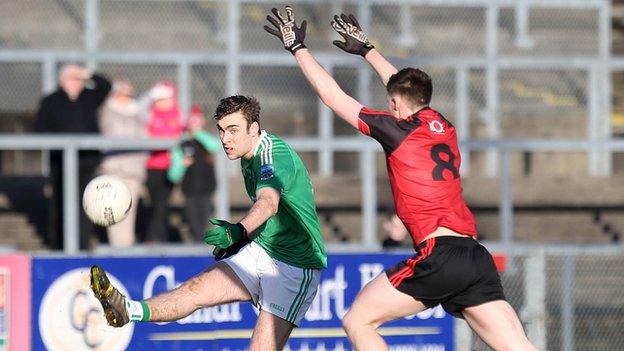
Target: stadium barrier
567	298
66	316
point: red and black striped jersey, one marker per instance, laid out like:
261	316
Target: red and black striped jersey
423	162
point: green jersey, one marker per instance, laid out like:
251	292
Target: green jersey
293	234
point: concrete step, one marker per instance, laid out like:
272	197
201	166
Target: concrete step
18	232
581	190
345	190
551	228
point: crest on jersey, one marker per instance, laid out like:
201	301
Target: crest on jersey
436	127
266	172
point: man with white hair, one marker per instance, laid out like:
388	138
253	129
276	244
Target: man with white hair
71	109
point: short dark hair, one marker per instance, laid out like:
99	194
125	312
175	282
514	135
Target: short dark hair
411	84
247	105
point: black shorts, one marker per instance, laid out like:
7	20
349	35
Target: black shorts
455	272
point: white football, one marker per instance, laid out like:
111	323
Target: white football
106	200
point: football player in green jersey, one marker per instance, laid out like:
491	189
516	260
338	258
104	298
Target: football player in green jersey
272	257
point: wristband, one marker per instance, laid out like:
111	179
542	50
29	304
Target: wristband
242	229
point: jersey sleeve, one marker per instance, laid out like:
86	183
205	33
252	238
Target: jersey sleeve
383	127
274	168
208	141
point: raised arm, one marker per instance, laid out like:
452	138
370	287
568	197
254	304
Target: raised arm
383	68
102	85
327	89
357	43
323	83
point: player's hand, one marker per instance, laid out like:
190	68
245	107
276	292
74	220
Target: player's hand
225	234
356	41
220	254
286	30
86	74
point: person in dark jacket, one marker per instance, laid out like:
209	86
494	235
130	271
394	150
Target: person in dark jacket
192	165
71	109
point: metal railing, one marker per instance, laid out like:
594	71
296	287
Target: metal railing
364	147
564	295
598	67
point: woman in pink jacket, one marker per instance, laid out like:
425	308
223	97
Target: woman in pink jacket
164	122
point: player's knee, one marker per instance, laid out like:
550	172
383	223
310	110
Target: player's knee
349	323
352	321
191	286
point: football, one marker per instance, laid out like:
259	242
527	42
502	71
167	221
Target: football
106	200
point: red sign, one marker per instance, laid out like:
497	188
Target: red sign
500	260
15	302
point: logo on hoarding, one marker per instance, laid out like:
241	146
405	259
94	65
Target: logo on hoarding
71	318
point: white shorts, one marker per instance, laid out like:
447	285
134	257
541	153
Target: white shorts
276	287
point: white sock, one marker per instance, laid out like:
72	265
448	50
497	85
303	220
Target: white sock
135	310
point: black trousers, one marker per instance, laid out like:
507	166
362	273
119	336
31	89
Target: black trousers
54	240
197	210
159	188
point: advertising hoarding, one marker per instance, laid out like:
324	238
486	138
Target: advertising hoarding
66	316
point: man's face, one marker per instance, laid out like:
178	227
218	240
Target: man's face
124	93
164	104
72	83
236	138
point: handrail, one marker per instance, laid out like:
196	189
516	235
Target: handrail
365	147
12	141
598	65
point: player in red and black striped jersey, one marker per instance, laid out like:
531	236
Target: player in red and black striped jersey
423	167
450	267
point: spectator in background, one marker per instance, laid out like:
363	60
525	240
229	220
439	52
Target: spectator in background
120	117
72	109
192	164
165	122
395	233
